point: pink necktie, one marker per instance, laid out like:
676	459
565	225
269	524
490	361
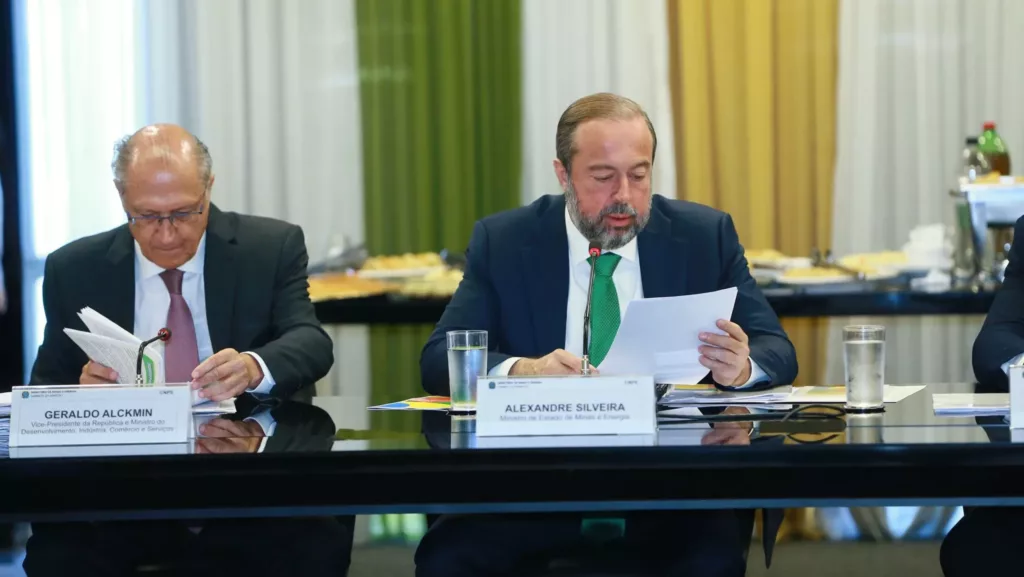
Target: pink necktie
181	353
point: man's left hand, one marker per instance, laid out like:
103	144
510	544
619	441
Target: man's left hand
728	355
226	375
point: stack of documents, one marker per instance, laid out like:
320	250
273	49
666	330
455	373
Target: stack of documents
971	405
5	423
108	344
710	395
690	395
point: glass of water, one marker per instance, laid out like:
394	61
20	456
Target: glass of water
864	360
467	361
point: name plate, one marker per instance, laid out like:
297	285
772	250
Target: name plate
577	405
1016	374
99	415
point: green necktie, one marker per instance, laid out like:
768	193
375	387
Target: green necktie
604	308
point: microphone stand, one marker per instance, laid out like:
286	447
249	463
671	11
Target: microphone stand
595	252
161	335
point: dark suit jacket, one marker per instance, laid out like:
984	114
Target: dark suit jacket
257	298
517	277
1002	336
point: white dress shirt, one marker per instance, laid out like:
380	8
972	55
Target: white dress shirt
628	286
266	422
152	301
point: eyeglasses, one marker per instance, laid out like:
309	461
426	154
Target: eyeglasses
152	221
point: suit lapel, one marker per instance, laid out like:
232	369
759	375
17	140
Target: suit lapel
662	258
219	276
117	299
546	263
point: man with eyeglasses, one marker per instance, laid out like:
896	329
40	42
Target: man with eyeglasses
233	290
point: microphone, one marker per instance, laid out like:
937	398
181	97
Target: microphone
161	335
595	252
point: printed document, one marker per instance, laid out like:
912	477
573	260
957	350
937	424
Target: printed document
659	336
110	345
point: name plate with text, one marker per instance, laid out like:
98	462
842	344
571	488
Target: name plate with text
99	415
1016	374
576	405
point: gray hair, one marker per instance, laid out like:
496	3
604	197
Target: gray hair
124	150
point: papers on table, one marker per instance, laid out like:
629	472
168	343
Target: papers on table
659	336
110	345
971	405
224	407
710	395
5	404
683	395
837	394
418	404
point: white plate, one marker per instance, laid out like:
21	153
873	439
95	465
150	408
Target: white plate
781	263
823	280
398	273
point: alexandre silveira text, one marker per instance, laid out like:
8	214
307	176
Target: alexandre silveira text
567	408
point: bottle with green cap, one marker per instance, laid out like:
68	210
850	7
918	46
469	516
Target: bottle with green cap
992	146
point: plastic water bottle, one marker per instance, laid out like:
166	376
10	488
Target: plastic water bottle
974	163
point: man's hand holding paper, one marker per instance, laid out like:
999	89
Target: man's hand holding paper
94	373
727	356
225	375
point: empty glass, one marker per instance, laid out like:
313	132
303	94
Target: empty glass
864	360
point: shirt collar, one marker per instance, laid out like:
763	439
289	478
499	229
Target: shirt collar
148	268
579	246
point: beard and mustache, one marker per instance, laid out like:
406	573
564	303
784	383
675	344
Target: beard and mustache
594	229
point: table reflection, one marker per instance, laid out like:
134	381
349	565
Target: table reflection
444	431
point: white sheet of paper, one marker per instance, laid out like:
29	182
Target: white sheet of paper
837	394
968	404
660	336
211	408
116	354
101	325
717	397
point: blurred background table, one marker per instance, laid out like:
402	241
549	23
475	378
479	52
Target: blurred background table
390	309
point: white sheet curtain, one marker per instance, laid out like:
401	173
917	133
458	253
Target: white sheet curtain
915	78
572	48
272	87
76	89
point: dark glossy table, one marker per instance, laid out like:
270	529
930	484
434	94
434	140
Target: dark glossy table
318	462
787	302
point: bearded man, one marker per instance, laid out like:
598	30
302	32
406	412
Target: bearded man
525	283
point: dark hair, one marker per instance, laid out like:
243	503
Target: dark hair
601	105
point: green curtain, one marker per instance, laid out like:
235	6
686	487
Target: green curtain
441	108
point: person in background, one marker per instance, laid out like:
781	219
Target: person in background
526	281
233	291
984	541
1001	340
